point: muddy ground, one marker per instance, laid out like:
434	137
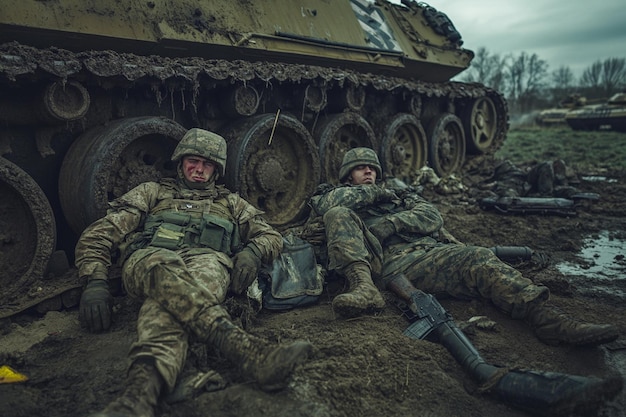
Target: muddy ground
363	366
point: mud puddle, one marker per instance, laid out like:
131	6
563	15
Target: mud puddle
601	266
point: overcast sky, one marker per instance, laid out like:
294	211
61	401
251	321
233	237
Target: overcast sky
572	33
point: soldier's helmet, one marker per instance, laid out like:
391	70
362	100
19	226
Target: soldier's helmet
203	143
359	156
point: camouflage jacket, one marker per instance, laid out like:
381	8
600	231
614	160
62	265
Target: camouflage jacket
414	219
126	218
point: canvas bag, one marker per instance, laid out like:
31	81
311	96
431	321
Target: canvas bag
294	279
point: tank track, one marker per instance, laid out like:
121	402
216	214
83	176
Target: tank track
20	61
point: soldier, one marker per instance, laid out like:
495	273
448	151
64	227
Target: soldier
184	243
546	179
372	231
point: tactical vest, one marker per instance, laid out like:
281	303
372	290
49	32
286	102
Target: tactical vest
179	224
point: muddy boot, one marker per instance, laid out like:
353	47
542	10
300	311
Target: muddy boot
554	394
554	327
363	295
269	365
141	394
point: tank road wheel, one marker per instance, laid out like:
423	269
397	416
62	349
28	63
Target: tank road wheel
338	133
276	168
446	148
313	98
481	125
403	148
27	231
242	100
107	161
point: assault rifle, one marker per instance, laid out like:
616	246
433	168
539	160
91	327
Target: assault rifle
538	392
537	205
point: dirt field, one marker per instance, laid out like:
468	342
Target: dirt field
363	366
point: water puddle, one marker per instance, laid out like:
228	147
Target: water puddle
602	267
601	270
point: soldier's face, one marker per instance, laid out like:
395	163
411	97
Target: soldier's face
363	174
197	168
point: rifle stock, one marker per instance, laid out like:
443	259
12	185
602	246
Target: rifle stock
541	393
530	205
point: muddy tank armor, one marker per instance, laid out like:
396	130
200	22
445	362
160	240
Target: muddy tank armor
610	115
95	95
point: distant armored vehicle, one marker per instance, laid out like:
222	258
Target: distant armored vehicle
556	116
610	115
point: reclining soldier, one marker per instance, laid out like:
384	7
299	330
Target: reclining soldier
184	242
545	179
370	231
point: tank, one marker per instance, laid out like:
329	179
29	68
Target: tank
610	115
96	94
556	116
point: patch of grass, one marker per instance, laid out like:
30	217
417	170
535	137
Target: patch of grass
583	151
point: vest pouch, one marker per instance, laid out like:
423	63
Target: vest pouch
217	233
168	236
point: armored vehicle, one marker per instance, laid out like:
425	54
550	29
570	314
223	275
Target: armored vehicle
556	116
610	115
96	94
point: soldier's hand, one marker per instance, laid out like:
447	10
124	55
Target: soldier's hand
95	305
386	194
383	230
245	268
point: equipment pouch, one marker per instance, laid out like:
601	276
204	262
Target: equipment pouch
168	236
217	233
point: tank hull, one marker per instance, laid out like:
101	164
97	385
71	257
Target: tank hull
610	115
95	95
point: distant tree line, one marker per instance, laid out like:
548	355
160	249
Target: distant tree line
527	83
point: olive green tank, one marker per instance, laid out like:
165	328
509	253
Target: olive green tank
95	94
610	115
556	116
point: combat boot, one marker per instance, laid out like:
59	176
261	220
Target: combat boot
141	393
267	364
553	327
362	296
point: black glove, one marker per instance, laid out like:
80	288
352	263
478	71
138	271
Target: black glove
383	230
95	304
246	265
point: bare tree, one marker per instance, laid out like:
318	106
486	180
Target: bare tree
562	83
487	69
563	78
603	78
613	75
592	76
526	80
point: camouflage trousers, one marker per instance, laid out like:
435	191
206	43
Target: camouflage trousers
464	272
182	291
348	240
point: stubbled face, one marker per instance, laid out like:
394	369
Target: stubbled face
197	168
363	174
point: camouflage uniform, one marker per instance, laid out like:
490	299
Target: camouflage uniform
545	179
407	233
415	249
182	289
176	239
